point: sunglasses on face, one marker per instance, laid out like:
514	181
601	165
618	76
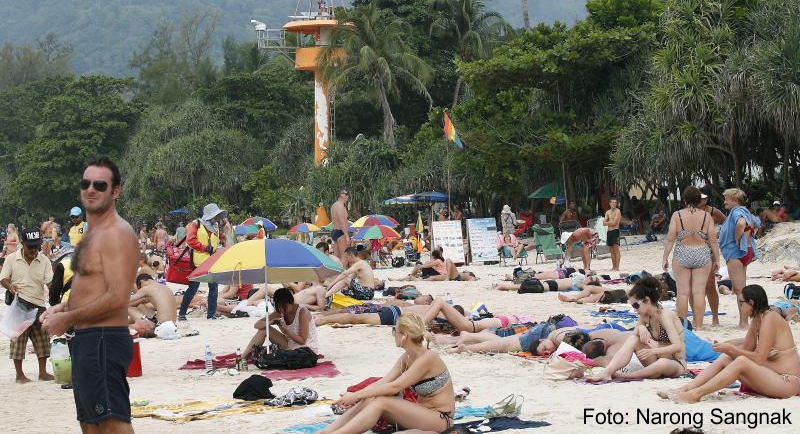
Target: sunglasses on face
636	305
100	186
742	301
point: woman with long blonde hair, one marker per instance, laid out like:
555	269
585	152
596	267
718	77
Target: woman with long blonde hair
418	368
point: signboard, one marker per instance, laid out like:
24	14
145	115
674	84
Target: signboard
482	234
447	235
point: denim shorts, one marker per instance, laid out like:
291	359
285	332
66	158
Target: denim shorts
100	360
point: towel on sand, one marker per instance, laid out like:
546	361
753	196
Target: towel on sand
220	362
198	410
324	369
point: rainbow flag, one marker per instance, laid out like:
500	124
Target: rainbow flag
450	132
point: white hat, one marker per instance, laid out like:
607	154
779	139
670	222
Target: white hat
565	236
260	223
703	196
211	211
777	202
506	209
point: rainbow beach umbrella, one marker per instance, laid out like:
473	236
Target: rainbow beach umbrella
379	232
266	261
375	220
304	228
268	225
245	229
329	227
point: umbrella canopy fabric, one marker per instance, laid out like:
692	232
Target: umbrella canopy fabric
329	227
419	227
431	197
400	200
304	228
547	191
375	220
245	229
379	232
268	225
179	211
266	261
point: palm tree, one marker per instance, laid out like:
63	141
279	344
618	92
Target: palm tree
365	48
475	33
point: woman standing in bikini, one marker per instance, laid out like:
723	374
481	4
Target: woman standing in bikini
418	368
657	339
737	243
12	240
691	231
766	361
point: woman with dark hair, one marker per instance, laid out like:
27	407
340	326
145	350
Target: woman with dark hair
691	231
737	242
291	325
435	267
657	340
765	362
418	368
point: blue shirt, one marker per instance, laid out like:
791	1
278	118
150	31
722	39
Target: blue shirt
728	245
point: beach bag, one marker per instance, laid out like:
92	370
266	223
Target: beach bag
398	262
17	319
791	291
559	369
672	286
614	296
530	286
408	292
178	265
298	358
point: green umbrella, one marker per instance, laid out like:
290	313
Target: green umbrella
554	189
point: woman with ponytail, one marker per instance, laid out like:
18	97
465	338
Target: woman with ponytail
418	368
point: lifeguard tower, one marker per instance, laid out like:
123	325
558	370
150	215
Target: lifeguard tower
317	22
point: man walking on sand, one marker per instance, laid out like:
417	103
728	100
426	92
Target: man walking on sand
612	219
97	311
26	273
340	234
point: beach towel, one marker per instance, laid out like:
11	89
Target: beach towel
220	362
500	424
625	316
603	326
613	380
199	410
467	411
308	428
322	370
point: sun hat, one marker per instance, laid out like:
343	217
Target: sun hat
506	209
703	196
212	211
75	211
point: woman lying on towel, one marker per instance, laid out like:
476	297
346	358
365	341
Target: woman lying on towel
462	321
418	368
438	269
765	362
657	339
577	282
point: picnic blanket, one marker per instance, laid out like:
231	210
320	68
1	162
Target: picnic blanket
322	370
501	424
199	410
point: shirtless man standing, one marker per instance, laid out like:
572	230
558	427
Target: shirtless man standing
612	219
358	281
97	310
47	236
160	238
340	234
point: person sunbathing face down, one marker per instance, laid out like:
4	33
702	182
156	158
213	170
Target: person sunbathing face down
145	328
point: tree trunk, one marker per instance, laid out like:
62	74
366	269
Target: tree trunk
388	118
457	91
785	170
737	169
526	21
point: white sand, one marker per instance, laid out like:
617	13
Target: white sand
42	407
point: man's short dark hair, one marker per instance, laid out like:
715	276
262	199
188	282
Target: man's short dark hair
141	278
351	251
323	245
106	162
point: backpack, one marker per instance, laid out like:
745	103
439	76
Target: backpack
791	291
561	321
530	286
614	296
669	282
298	358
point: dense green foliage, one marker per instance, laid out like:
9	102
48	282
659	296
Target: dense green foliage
640	92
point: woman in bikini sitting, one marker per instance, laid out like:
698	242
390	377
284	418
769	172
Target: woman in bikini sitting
418	368
737	243
766	361
435	267
657	340
691	231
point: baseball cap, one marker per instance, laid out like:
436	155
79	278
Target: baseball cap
31	237
75	211
777	202
703	196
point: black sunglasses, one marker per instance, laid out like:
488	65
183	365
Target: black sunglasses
100	186
636	304
742	301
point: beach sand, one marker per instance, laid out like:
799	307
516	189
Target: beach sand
360	352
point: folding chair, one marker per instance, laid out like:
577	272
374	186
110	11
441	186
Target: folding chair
546	246
505	251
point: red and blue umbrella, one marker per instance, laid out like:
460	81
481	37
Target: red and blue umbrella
304	228
268	225
379	232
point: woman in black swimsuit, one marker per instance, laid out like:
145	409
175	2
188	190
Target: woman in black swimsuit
418	368
657	341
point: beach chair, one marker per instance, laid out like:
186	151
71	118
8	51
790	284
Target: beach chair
505	255
412	256
546	246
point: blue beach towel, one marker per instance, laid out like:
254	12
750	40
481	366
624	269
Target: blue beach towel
697	350
624	315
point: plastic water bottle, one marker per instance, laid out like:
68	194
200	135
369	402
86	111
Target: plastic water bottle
449	299
239	359
558	264
209	359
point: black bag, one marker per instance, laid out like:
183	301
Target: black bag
531	286
398	262
614	296
254	388
298	358
791	291
671	286
9	297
